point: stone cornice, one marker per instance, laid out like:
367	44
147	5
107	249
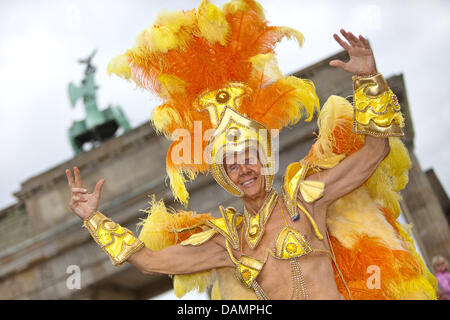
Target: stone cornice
110	149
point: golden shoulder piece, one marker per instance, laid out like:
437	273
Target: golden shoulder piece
294	182
310	190
376	108
199	238
227	225
118	242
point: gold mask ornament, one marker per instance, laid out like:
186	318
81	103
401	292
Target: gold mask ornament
234	134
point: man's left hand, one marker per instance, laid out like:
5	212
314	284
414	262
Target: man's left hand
362	61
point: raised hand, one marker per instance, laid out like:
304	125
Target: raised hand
362	61
84	204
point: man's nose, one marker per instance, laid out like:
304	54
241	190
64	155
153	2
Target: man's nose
244	170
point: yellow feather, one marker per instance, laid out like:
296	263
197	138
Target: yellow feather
162	116
356	214
266	66
215	291
170	31
418	288
291	33
199	281
175	20
212	23
405	233
119	66
228	287
156	237
233	6
170	84
153	232
335	112
305	96
177	185
390	177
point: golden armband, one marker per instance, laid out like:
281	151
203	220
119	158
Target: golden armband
118	242
376	108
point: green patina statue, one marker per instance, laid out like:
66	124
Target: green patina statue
99	125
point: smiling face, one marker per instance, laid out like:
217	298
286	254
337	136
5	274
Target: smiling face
245	171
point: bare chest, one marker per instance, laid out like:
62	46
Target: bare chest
303	277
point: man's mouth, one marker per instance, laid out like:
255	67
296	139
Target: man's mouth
248	183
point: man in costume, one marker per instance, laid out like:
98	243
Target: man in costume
334	221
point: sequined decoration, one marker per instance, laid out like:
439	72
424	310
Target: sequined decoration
259	291
299	290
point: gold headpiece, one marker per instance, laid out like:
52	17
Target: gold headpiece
234	133
216	67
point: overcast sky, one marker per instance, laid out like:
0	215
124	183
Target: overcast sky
40	42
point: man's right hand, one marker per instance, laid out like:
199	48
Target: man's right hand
84	204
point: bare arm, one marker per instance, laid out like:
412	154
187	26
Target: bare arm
353	171
178	259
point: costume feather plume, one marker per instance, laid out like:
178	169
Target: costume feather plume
184	54
165	227
363	224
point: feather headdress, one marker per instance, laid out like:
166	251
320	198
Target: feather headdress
185	54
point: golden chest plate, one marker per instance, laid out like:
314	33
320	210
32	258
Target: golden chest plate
290	244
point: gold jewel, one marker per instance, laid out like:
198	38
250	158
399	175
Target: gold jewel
291	247
255	225
253	231
376	108
246	274
222	97
118	242
248	269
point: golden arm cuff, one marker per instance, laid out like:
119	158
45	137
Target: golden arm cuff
118	242
376	108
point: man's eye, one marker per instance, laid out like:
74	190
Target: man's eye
233	167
